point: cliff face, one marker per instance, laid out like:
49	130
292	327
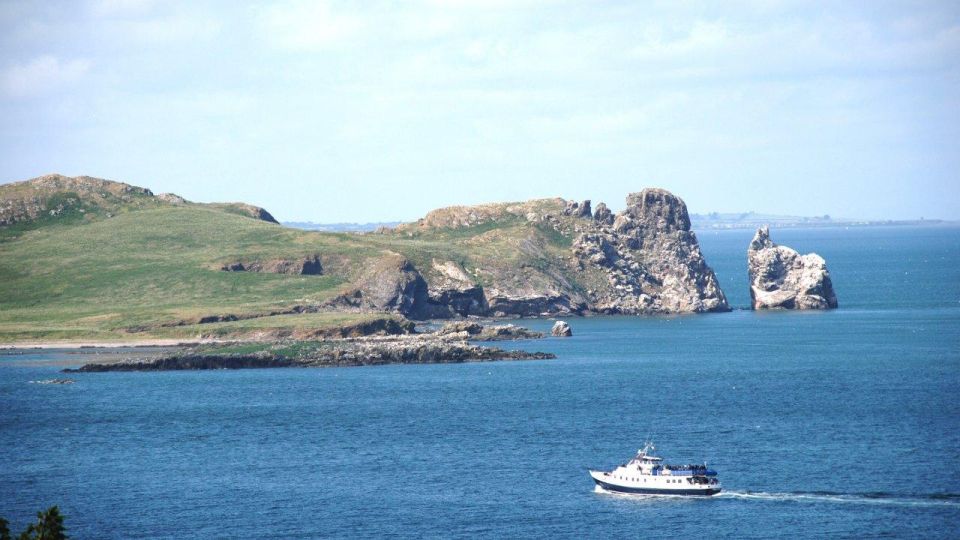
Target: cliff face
781	278
650	258
548	257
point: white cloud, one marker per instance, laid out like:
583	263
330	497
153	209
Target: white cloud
122	7
175	28
308	26
42	74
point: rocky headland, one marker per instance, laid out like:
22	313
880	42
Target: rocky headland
563	258
781	278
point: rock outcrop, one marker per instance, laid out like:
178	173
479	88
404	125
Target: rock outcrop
603	215
391	283
453	291
475	331
781	278
55	197
575	209
561	329
650	259
306	266
248	210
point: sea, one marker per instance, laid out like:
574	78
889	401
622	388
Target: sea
840	424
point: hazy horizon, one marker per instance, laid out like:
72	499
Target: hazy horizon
338	112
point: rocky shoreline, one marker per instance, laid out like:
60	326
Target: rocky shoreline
450	344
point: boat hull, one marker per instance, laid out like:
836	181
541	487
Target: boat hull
607	486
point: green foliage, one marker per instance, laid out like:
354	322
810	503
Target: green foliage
49	526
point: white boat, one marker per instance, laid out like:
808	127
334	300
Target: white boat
647	474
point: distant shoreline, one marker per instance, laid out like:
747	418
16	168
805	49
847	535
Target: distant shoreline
725	225
698	222
44	345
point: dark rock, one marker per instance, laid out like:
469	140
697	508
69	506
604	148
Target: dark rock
576	209
362	352
191	362
603	215
390	284
308	266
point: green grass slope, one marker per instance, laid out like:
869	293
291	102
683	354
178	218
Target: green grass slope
153	270
144	268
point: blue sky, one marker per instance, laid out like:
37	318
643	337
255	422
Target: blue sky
370	111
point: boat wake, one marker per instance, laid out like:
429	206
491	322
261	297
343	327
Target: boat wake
949	500
880	498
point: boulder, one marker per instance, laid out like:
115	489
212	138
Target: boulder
781	278
561	329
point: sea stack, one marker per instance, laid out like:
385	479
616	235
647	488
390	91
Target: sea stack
781	278
561	329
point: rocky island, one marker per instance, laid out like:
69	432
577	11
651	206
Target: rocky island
781	278
109	262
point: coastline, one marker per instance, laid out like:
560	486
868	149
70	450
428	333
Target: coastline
130	344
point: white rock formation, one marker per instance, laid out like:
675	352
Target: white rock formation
561	329
781	278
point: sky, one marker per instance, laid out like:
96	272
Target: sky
381	111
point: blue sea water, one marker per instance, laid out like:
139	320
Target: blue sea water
839	424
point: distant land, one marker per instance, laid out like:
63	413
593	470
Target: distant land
754	220
713	220
341	227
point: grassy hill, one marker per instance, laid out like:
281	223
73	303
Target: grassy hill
152	269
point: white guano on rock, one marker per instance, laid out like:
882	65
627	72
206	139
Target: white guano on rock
781	278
